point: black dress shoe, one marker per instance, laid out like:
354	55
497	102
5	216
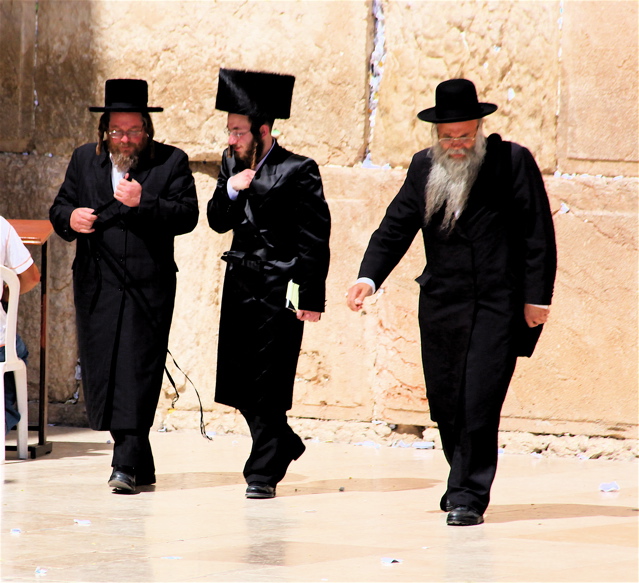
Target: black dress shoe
464	516
121	480
260	490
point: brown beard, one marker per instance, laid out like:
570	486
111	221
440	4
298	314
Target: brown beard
253	153
126	162
450	181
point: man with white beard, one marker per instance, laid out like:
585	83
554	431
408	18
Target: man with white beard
487	286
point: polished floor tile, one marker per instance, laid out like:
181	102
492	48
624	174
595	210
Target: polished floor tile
343	513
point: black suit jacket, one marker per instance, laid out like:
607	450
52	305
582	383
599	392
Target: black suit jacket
282	218
500	254
281	228
124	278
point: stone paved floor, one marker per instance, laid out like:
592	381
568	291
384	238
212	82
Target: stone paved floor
340	511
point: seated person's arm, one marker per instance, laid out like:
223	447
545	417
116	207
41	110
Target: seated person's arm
29	278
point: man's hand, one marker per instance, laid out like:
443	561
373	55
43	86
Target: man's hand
308	316
535	315
128	192
82	220
242	180
355	296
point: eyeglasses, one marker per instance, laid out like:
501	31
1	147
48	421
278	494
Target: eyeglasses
462	141
119	134
236	135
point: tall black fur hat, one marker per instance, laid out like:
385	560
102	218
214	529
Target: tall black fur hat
254	93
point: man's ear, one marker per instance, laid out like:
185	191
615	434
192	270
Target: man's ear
265	130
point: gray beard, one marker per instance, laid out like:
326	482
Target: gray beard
450	181
124	163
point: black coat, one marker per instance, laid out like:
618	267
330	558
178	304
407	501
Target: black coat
500	254
124	277
281	228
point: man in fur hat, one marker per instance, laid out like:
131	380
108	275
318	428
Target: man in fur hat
273	201
486	289
123	201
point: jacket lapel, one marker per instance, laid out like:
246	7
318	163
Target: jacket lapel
267	176
142	171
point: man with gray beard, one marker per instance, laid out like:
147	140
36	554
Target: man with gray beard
123	200
451	177
486	290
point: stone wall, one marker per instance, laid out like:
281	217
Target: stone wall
564	74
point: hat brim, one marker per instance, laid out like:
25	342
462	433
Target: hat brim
430	114
124	109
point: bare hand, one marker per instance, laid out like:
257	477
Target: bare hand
535	315
128	192
242	180
82	219
308	316
357	293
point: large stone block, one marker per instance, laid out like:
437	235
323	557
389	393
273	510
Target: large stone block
508	49
354	364
598	120
17	60
180	46
68	77
584	371
336	372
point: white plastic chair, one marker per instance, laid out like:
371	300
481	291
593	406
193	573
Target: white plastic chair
14	364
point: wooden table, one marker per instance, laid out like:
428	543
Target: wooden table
38	233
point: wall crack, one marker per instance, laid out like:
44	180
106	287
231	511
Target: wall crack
376	69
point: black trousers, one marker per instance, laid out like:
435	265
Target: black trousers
275	446
472	457
132	448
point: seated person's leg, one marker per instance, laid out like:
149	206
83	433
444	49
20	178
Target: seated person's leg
11	413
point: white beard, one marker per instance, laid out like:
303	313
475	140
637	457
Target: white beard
450	181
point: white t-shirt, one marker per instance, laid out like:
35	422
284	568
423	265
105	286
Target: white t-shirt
15	256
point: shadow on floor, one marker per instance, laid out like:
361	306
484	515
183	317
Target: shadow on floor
64	449
192	480
356	485
512	512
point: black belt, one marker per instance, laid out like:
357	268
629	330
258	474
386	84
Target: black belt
253	261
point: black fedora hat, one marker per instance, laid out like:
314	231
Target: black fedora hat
255	93
456	100
127	95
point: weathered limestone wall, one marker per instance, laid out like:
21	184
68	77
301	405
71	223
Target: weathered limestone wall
564	74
